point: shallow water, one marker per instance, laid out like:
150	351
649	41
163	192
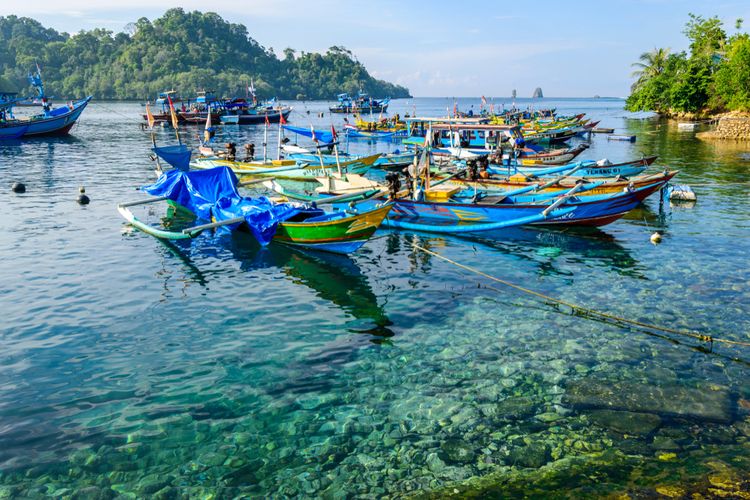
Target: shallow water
134	368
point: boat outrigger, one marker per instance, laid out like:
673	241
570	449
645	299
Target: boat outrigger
212	196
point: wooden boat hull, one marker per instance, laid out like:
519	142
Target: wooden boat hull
587	212
41	125
386	161
607	187
256	118
296	172
590	169
345	235
358	109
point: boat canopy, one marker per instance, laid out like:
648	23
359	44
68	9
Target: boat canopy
212	195
178	156
324	136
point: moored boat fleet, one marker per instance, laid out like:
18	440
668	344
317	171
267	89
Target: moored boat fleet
455	174
458	174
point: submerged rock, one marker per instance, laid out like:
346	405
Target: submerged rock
712	404
457	451
533	455
625	422
516	408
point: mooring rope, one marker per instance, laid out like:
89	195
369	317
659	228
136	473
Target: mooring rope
111	110
585	310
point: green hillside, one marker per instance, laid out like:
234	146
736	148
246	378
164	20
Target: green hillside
186	51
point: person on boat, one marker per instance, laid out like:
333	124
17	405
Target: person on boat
249	152
45	105
483	163
231	152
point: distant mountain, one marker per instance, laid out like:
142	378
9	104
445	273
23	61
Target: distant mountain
185	51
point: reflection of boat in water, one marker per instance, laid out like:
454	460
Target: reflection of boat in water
591	245
335	278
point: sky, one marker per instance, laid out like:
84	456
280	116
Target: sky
442	48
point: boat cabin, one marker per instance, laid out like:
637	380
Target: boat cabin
461	132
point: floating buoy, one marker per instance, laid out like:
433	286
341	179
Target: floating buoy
18	187
656	238
82	198
682	192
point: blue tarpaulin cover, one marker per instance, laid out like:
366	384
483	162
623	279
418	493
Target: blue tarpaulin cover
326	137
212	194
178	156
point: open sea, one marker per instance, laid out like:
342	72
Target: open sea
213	368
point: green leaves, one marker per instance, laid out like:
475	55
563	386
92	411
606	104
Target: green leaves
714	77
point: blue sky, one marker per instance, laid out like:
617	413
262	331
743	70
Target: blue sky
442	48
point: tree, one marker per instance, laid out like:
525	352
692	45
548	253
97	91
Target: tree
707	37
651	64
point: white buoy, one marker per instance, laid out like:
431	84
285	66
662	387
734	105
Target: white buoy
682	192
656	238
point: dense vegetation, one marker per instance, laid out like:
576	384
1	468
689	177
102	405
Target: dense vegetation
187	51
713	77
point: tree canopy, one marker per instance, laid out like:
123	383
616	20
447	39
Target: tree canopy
185	51
713	76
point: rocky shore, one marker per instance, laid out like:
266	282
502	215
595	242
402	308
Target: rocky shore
731	126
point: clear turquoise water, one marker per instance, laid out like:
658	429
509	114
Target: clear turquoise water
133	368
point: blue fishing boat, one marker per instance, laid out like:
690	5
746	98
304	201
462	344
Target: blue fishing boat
587	211
362	103
586	168
242	112
52	121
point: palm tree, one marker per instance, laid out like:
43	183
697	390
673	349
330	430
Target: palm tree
651	64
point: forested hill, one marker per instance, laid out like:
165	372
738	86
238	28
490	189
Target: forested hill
186	51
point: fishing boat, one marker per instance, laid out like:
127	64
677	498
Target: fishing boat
529	156
593	211
563	183
361	103
355	133
52	121
586	168
242	112
212	196
162	112
386	161
299	171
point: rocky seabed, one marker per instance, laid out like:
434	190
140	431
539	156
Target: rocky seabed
485	414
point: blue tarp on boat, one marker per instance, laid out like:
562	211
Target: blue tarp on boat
326	137
212	195
178	156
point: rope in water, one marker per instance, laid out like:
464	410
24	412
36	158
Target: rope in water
592	312
111	110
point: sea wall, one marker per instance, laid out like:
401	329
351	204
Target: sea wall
731	126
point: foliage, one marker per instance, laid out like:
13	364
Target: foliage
715	76
732	80
185	51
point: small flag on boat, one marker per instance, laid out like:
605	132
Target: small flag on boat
281	117
150	117
334	134
312	130
455	108
349	126
484	101
267	121
172	112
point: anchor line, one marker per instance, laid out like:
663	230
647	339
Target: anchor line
585	310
